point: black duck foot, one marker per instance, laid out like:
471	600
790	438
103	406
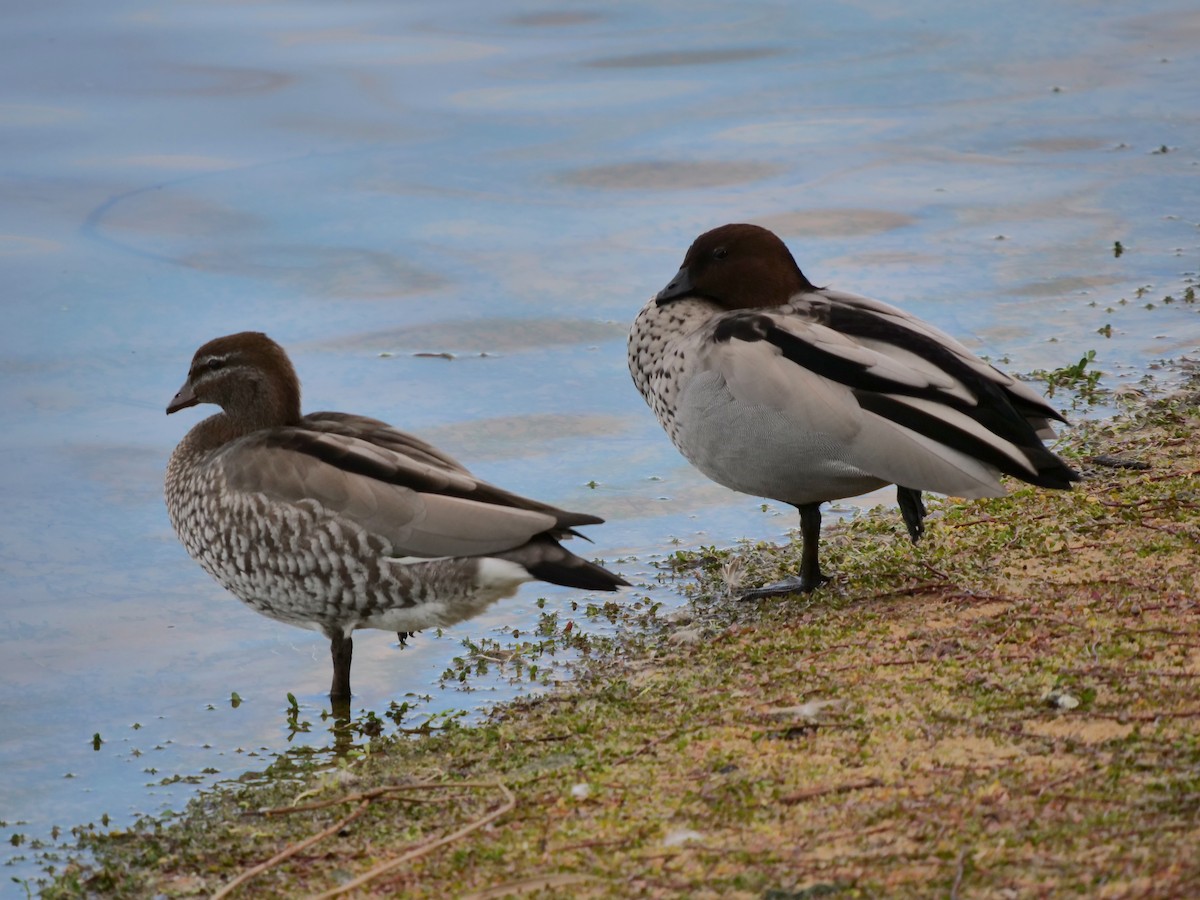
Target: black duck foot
785	588
403	637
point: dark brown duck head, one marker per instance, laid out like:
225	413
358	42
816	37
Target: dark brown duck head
248	375
737	267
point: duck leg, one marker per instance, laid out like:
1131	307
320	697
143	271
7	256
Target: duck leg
341	647
810	577
912	508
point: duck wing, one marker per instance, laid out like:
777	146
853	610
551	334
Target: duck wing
907	403
384	435
414	449
895	332
421	506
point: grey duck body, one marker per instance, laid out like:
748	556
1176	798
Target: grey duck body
336	522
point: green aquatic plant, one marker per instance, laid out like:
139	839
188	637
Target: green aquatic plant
1076	377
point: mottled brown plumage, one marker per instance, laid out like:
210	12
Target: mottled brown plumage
334	521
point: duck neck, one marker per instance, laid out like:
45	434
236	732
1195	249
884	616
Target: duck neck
257	404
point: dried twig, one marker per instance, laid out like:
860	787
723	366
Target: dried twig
820	791
545	738
826	650
921	587
903	661
1057	782
1148	717
1167	631
1124	672
365	799
650	745
595	842
937	572
958	875
383	868
529	885
290	851
1134	504
372	794
1169	529
986	520
1169	475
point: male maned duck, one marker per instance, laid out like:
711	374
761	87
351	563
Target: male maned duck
333	521
774	387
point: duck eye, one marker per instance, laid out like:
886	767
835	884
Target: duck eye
720	253
215	363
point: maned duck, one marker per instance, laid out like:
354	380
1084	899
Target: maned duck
774	387
333	521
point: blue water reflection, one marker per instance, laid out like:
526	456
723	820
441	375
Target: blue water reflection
370	181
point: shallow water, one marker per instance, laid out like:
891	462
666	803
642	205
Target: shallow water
370	182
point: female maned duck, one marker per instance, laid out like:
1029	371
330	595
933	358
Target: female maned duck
774	387
333	521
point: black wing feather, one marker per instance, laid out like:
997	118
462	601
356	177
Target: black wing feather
994	408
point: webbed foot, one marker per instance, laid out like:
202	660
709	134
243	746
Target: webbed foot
787	587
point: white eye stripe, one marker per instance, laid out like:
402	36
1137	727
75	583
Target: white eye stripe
215	366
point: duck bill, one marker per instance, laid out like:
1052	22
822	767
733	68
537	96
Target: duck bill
679	286
183	398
